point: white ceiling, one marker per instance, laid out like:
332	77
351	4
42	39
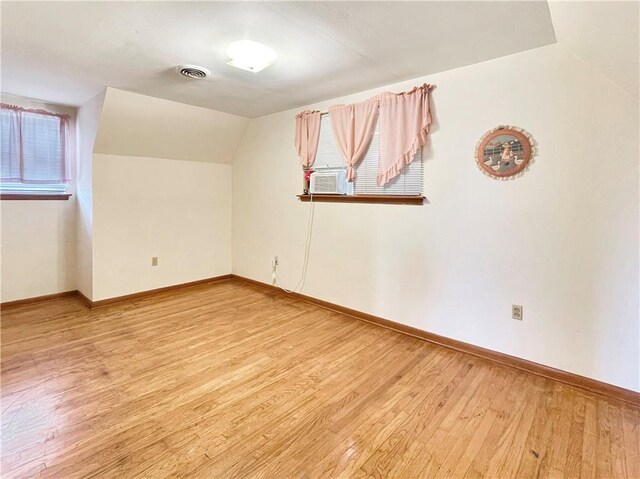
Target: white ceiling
66	52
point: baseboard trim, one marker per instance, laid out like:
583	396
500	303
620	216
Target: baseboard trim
565	377
582	382
37	299
84	300
152	292
118	299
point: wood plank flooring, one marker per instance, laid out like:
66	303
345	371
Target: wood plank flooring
228	381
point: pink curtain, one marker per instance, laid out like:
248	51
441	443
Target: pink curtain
404	124
34	146
353	128
307	136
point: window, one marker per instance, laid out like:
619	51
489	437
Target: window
408	183
33	149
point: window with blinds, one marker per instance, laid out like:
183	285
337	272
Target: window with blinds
408	182
33	151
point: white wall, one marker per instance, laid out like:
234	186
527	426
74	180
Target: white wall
179	211
152	179
562	240
38	237
87	123
604	35
161	187
38	248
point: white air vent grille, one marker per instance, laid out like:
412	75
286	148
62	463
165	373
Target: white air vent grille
193	71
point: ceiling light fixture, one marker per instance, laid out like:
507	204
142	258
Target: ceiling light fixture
251	56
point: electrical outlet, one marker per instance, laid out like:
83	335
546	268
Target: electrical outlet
274	266
154	261
516	312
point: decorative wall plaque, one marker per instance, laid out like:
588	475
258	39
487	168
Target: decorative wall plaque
505	152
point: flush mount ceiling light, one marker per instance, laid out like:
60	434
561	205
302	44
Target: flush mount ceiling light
251	56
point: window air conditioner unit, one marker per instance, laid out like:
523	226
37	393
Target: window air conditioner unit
330	182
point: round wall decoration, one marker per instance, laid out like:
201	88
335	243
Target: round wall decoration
505	152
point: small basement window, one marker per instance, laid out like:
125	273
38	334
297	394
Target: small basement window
34	154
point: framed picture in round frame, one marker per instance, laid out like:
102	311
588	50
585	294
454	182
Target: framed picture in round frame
505	152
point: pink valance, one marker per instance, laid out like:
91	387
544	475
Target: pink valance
404	124
307	136
353	128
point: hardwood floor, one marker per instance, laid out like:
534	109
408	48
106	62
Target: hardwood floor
227	381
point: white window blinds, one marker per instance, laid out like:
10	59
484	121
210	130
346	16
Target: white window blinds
328	155
33	147
409	182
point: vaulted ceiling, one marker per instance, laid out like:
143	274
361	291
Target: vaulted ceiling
67	52
605	35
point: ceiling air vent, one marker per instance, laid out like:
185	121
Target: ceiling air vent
193	71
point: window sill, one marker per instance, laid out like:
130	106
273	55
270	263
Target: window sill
35	196
374	199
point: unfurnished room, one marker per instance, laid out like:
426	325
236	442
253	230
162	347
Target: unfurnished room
320	239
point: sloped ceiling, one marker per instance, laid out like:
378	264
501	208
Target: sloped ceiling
67	52
606	35
137	125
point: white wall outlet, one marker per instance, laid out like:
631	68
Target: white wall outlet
516	312
274	266
154	261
